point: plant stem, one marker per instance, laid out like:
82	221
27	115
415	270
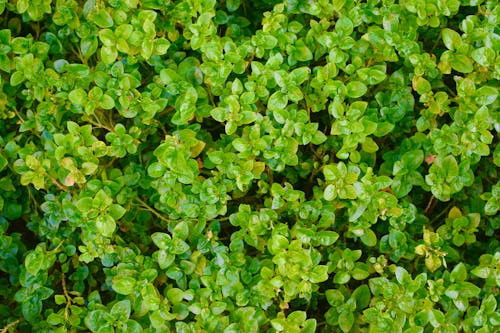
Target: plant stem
6	328
152	210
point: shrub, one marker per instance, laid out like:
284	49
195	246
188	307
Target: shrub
249	166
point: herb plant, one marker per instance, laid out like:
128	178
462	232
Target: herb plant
249	166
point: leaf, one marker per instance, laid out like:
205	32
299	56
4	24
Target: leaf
277	243
106	225
485	56
106	102
277	101
78	96
31	309
327	237
156	170
356	89
161	239
459	273
34	262
413	159
116	211
16	78
486	95
97	319
449	168
175	295
402	276
121	310
346	321
84	204
124	285
341	277
330	192
371	76
88	46
319	274
3	162
432	262
181	230
109	54
369	238
461	63
103	19
421	85
302	52
451	39
482	272
362	296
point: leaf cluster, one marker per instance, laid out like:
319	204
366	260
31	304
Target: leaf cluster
249	166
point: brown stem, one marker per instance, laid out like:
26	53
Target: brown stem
152	210
429	204
68	298
58	184
6	328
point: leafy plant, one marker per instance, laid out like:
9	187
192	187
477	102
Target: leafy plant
249	166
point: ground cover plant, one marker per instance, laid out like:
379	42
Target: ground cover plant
249	166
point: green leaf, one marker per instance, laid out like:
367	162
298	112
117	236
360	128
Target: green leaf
162	240
277	243
3	162
116	211
485	56
461	63
106	102
451	39
327	237
16	78
369	238
302	52
106	225
88	46
78	96
175	295
34	262
459	273
341	277
346	321
482	272
181	230
277	101
97	319
362	296
356	89
31	309
371	76
124	285
156	170
422	86
121	310
108	54
402	276
449	168
486	95
330	192
103	19
413	159
319	274
218	307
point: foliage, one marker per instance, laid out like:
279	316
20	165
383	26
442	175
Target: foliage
249	166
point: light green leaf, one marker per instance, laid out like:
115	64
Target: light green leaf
451	39
356	89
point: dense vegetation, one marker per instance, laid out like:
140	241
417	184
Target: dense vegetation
249	166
